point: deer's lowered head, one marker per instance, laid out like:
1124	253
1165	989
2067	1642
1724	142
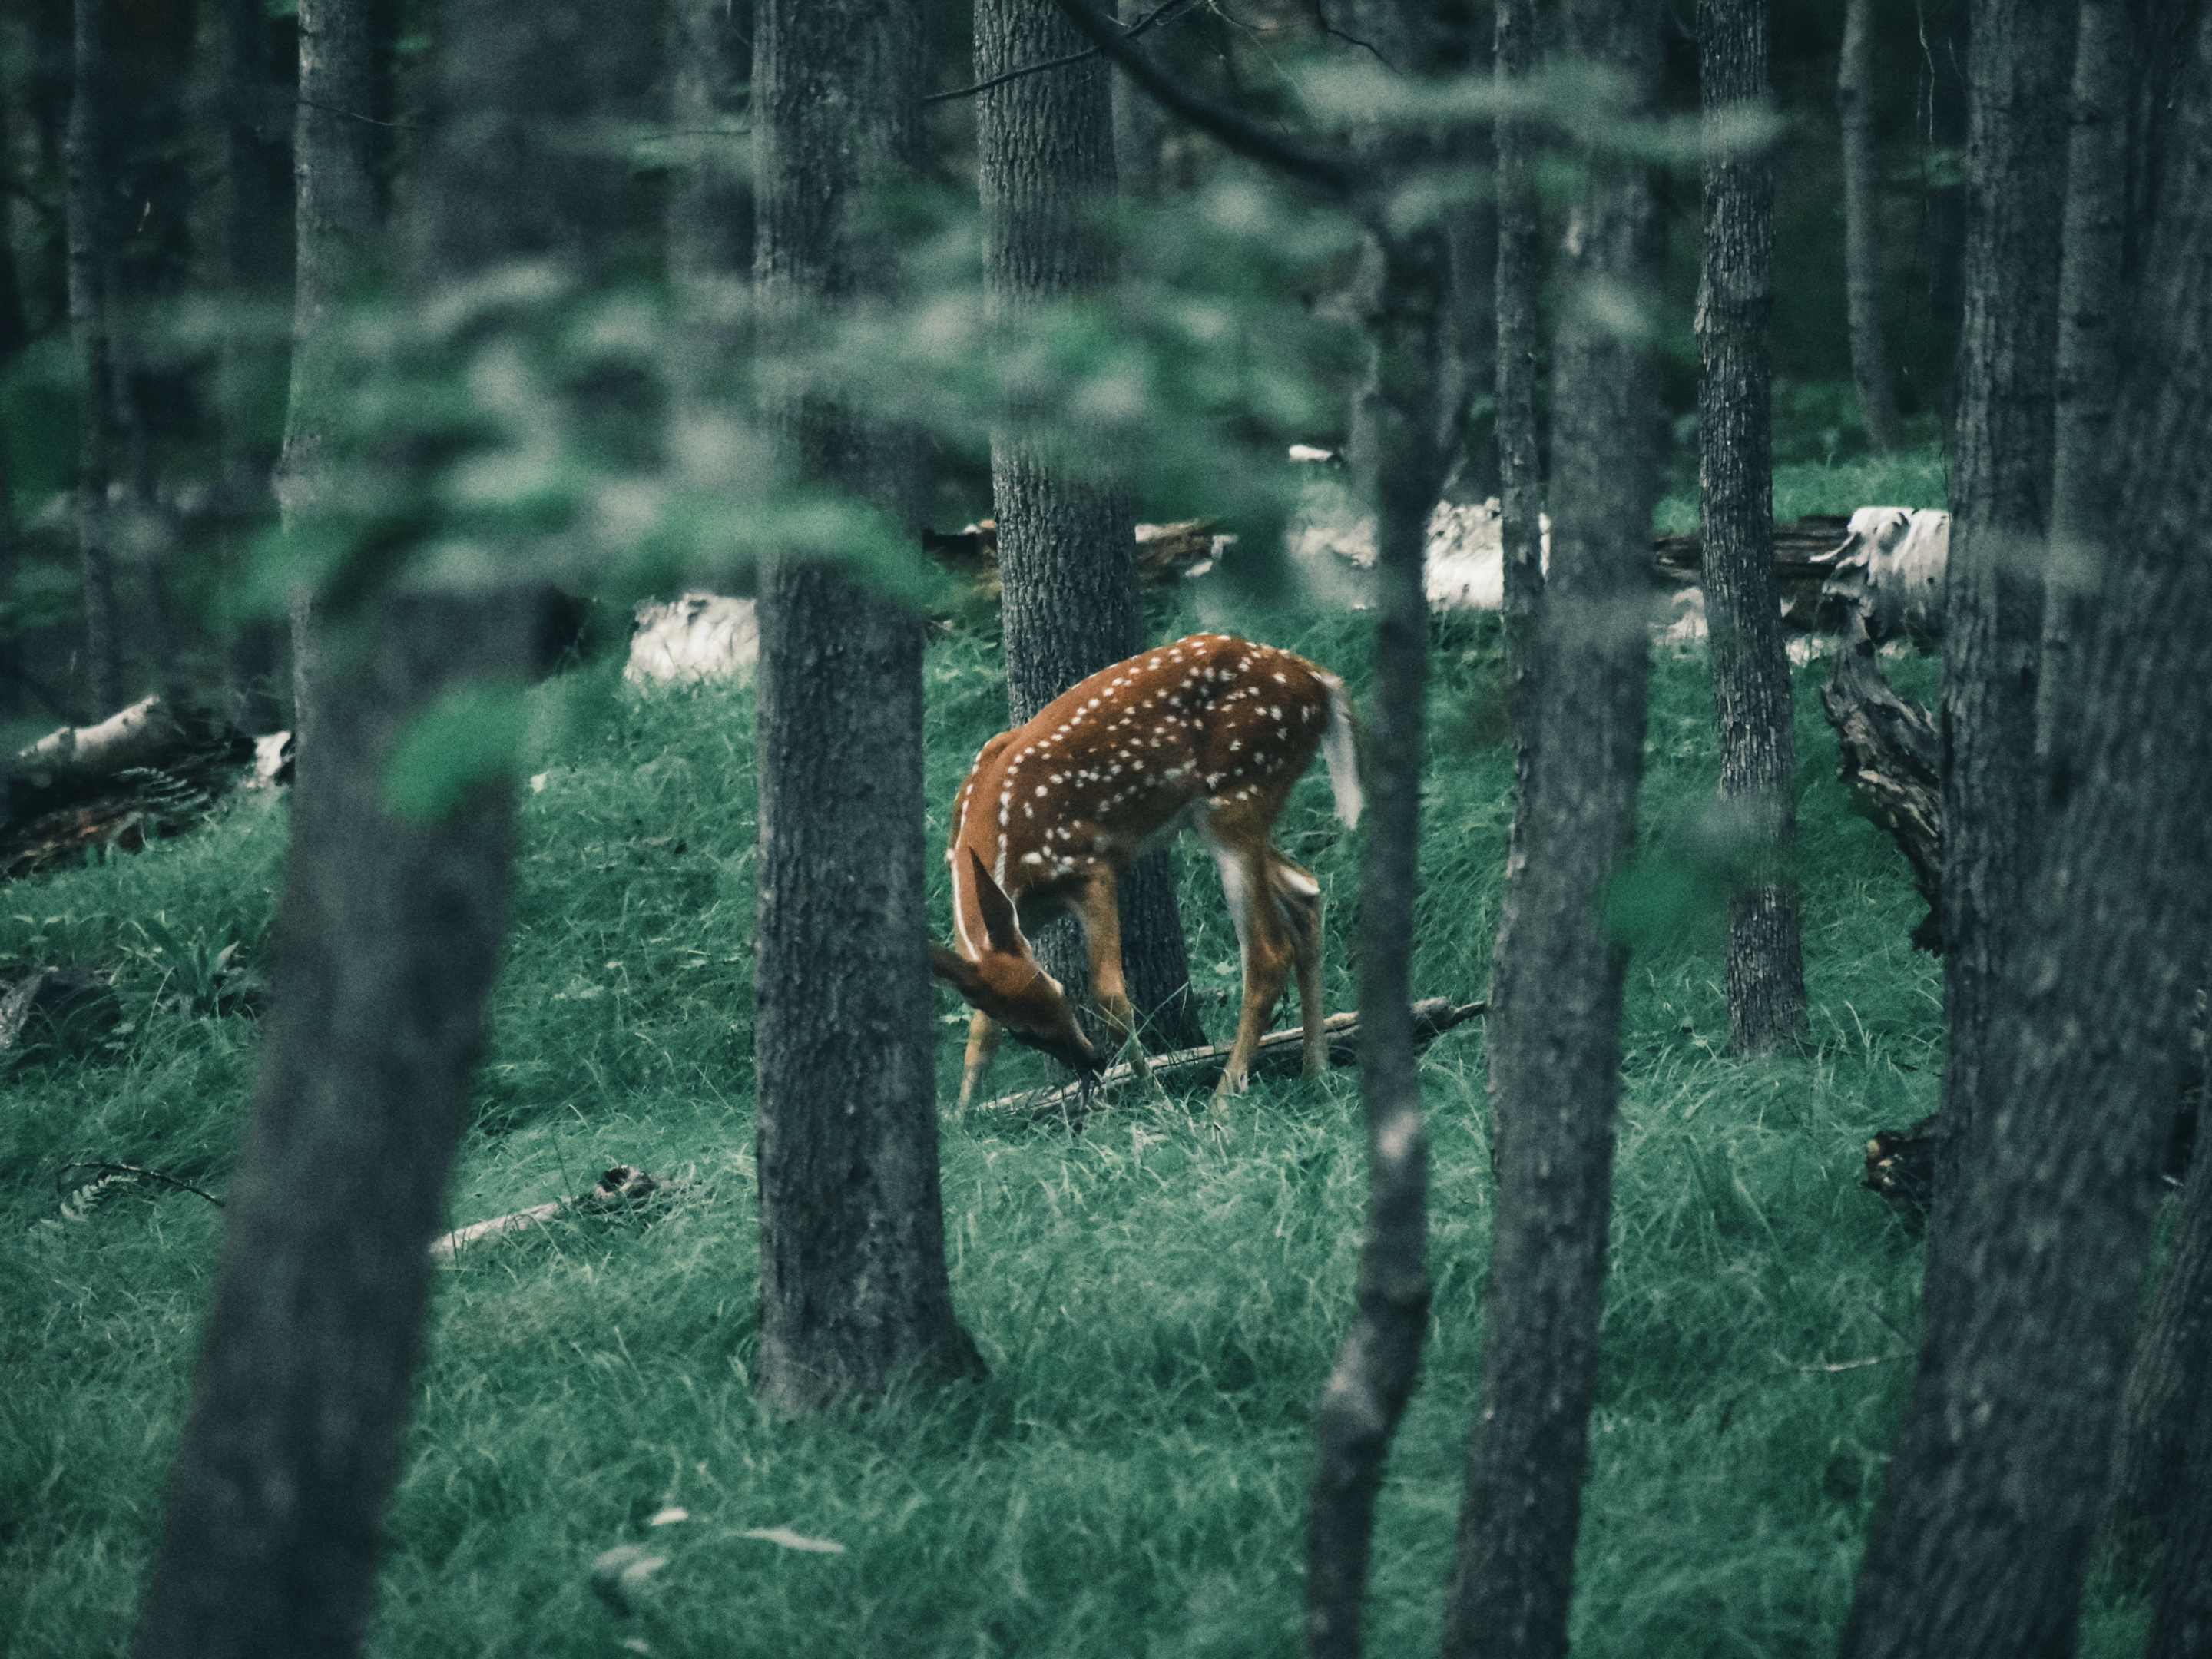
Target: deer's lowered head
1003	980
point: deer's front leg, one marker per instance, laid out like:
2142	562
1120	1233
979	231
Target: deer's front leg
1097	909
984	1034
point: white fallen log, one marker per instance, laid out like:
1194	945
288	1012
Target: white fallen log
622	1185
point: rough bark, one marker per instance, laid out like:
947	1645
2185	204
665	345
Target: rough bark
389	938
1983	1536
2000	514
1066	556
259	70
2170	1376
1375	1368
337	217
1863	231
1765	971
2090	293
2181	1594
92	241
855	1297
1556	975
1520	480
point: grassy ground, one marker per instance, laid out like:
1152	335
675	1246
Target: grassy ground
1158	1299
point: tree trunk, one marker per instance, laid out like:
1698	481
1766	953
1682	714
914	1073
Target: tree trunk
1735	487
1520	480
2000	514
1066	546
259	70
1943	68
1139	126
1983	1536
1553	1026
389	938
337	217
1375	1371
2090	293
1862	235
92	239
855	1297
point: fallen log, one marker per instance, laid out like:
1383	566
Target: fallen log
618	1188
151	770
1893	762
1279	1053
1802	548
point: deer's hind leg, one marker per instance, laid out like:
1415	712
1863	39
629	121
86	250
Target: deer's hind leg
1097	911
1298	900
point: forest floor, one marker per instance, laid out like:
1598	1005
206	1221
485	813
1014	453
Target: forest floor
1159	1298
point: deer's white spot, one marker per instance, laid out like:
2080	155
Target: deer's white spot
1041	790
1032	858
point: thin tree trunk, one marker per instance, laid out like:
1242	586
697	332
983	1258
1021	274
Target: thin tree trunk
389	938
1520	481
1862	235
1067	544
855	1297
1766	968
259	73
2000	516
92	237
337	217
2090	293
1982	1540
2181	1594
1139	126
1375	1371
1553	1027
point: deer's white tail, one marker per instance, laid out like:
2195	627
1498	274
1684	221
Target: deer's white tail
1340	748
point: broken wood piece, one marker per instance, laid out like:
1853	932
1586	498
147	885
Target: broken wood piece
1279	1053
1892	762
620	1186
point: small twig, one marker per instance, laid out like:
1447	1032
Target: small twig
1852	1364
1088	52
1321	16
137	1169
355	115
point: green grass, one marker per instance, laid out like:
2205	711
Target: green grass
1158	1299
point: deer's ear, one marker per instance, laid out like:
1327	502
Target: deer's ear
999	923
955	970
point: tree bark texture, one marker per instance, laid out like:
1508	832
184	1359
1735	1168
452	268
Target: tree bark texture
1519	478
1863	230
2181	1594
389	938
2170	1376
2090	293
854	1296
1366	1393
337	217
2000	516
93	237
1982	1541
1066	548
259	71
1553	1026
1765	971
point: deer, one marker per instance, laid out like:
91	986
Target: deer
1209	734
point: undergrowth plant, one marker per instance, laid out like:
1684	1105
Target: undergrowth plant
1158	1296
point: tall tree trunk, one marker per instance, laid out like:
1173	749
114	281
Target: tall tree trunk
1863	237
1374	1375
2090	293
92	242
1139	126
2000	516
1943	71
1409	428
1982	1540
260	72
389	940
709	221
1553	1025
1520	480
1736	492
855	1297
338	218
15	334
1066	538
